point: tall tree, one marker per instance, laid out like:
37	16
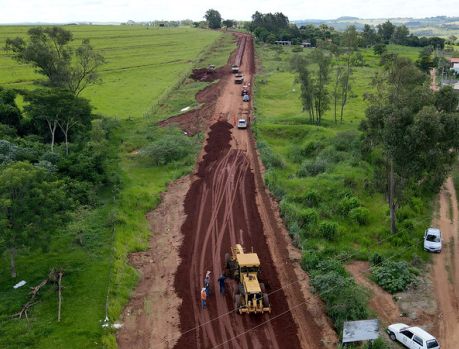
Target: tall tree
49	50
315	96
32	208
385	31
213	18
369	36
56	109
350	43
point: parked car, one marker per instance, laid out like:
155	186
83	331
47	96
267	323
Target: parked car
242	123
245	98
432	240
412	337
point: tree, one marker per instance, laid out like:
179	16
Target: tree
9	112
56	109
315	96
418	143
400	35
33	206
385	31
229	23
213	18
49	50
350	42
369	36
425	61
379	49
447	99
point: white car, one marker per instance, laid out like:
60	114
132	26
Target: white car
412	337
432	240
242	123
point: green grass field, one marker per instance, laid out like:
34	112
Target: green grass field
143	67
286	136
140	64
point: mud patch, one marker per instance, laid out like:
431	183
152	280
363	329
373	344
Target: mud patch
221	211
207	75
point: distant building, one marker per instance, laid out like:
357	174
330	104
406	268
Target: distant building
454	64
283	42
306	44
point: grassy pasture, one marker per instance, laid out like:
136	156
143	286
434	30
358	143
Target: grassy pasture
143	67
140	64
289	144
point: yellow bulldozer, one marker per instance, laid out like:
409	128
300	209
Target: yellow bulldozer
250	296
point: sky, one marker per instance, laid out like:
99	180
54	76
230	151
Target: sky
64	11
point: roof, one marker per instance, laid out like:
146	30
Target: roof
363	330
434	231
420	333
247	259
454	60
251	283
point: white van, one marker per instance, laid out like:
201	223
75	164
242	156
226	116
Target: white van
412	337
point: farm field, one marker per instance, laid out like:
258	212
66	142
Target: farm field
140	64
143	81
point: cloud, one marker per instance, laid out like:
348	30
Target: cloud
123	10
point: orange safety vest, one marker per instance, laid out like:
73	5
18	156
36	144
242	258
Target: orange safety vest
203	295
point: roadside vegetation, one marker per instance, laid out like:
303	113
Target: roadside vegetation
329	172
92	192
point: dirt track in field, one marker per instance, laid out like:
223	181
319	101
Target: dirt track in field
227	203
445	272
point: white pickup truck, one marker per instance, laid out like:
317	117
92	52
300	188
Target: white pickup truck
412	337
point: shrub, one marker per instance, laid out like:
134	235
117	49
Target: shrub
269	159
312	167
344	299
360	215
328	230
346	204
311	198
167	149
299	153
294	214
393	276
272	182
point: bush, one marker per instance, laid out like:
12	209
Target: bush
294	214
346	140
272	182
346	204
269	159
299	153
312	167
167	149
328	230
311	198
393	276
360	215
344	299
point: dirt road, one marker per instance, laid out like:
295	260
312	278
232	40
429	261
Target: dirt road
222	209
227	203
445	273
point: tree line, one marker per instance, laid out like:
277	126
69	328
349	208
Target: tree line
54	153
270	27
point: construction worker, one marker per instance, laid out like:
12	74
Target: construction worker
207	283
221	281
203	298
